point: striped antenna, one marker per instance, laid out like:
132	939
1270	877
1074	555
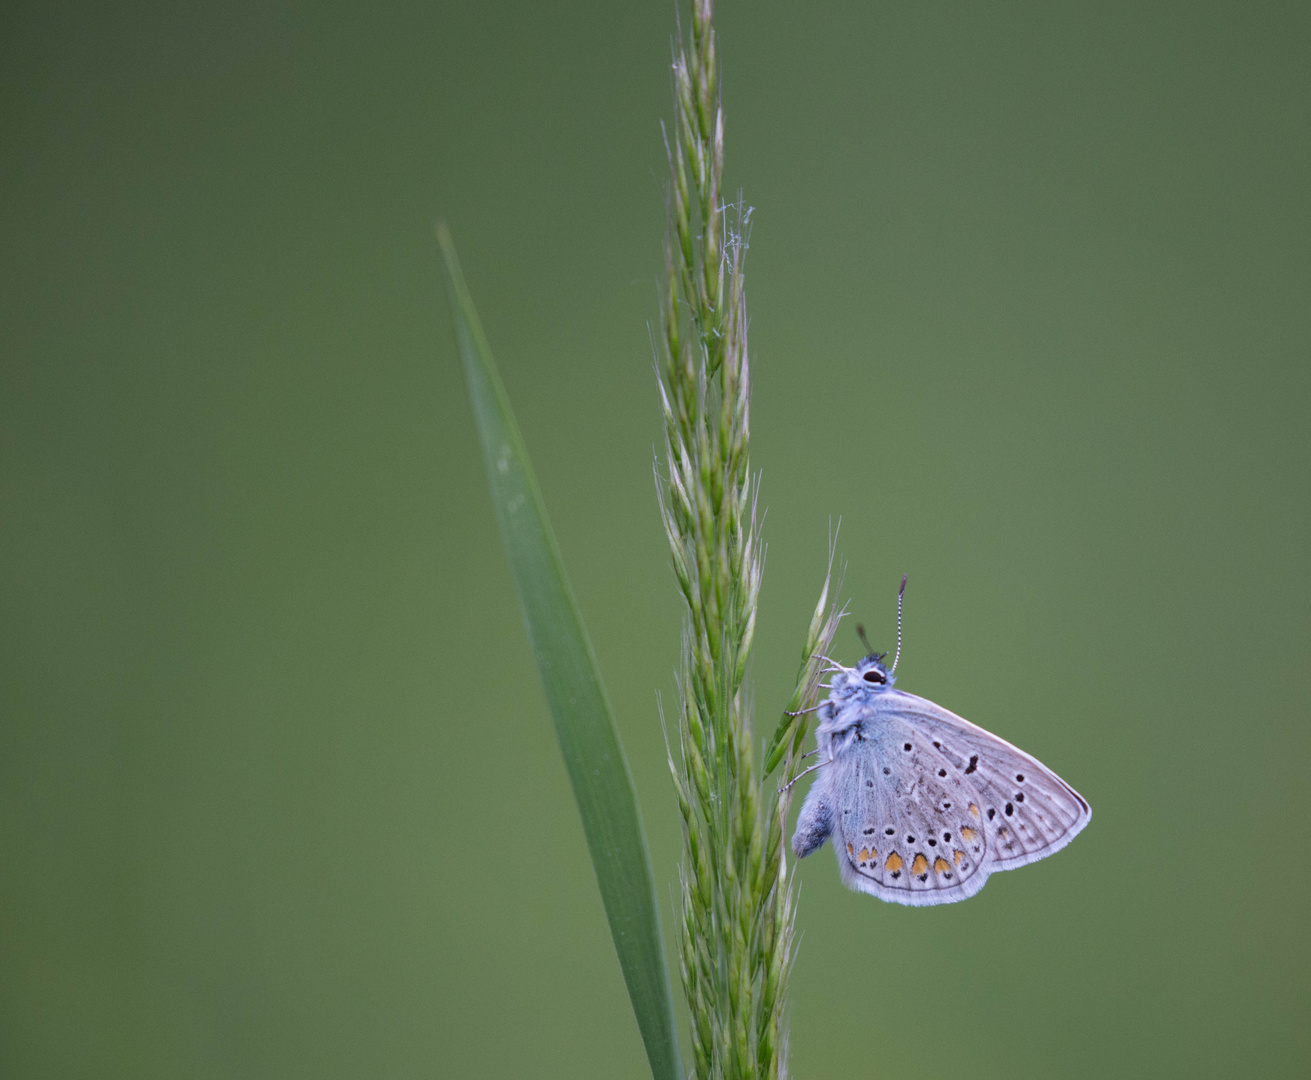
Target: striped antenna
900	593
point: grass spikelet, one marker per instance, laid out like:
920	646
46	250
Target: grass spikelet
737	901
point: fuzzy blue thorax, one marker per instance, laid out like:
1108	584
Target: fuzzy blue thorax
841	715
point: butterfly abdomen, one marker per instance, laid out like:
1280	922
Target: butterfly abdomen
814	823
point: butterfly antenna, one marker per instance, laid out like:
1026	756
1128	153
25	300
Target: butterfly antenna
900	593
860	632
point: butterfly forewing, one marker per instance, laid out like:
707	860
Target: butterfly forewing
1026	811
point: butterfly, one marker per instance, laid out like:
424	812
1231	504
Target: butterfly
921	804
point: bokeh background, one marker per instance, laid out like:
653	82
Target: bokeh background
279	795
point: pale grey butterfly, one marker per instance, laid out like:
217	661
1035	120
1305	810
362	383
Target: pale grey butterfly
922	805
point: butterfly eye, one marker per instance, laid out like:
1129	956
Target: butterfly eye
874	675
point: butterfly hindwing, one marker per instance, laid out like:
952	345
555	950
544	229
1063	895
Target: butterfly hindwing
900	831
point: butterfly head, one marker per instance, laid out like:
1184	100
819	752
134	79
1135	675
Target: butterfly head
872	673
865	676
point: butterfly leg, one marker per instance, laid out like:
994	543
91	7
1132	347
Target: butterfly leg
835	666
803	773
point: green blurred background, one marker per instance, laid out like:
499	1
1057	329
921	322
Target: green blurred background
279	796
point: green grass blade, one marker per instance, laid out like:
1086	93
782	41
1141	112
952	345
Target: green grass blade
584	724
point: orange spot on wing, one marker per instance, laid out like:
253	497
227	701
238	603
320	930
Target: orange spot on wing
940	865
894	862
968	834
850	849
920	865
957	856
974	810
864	854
